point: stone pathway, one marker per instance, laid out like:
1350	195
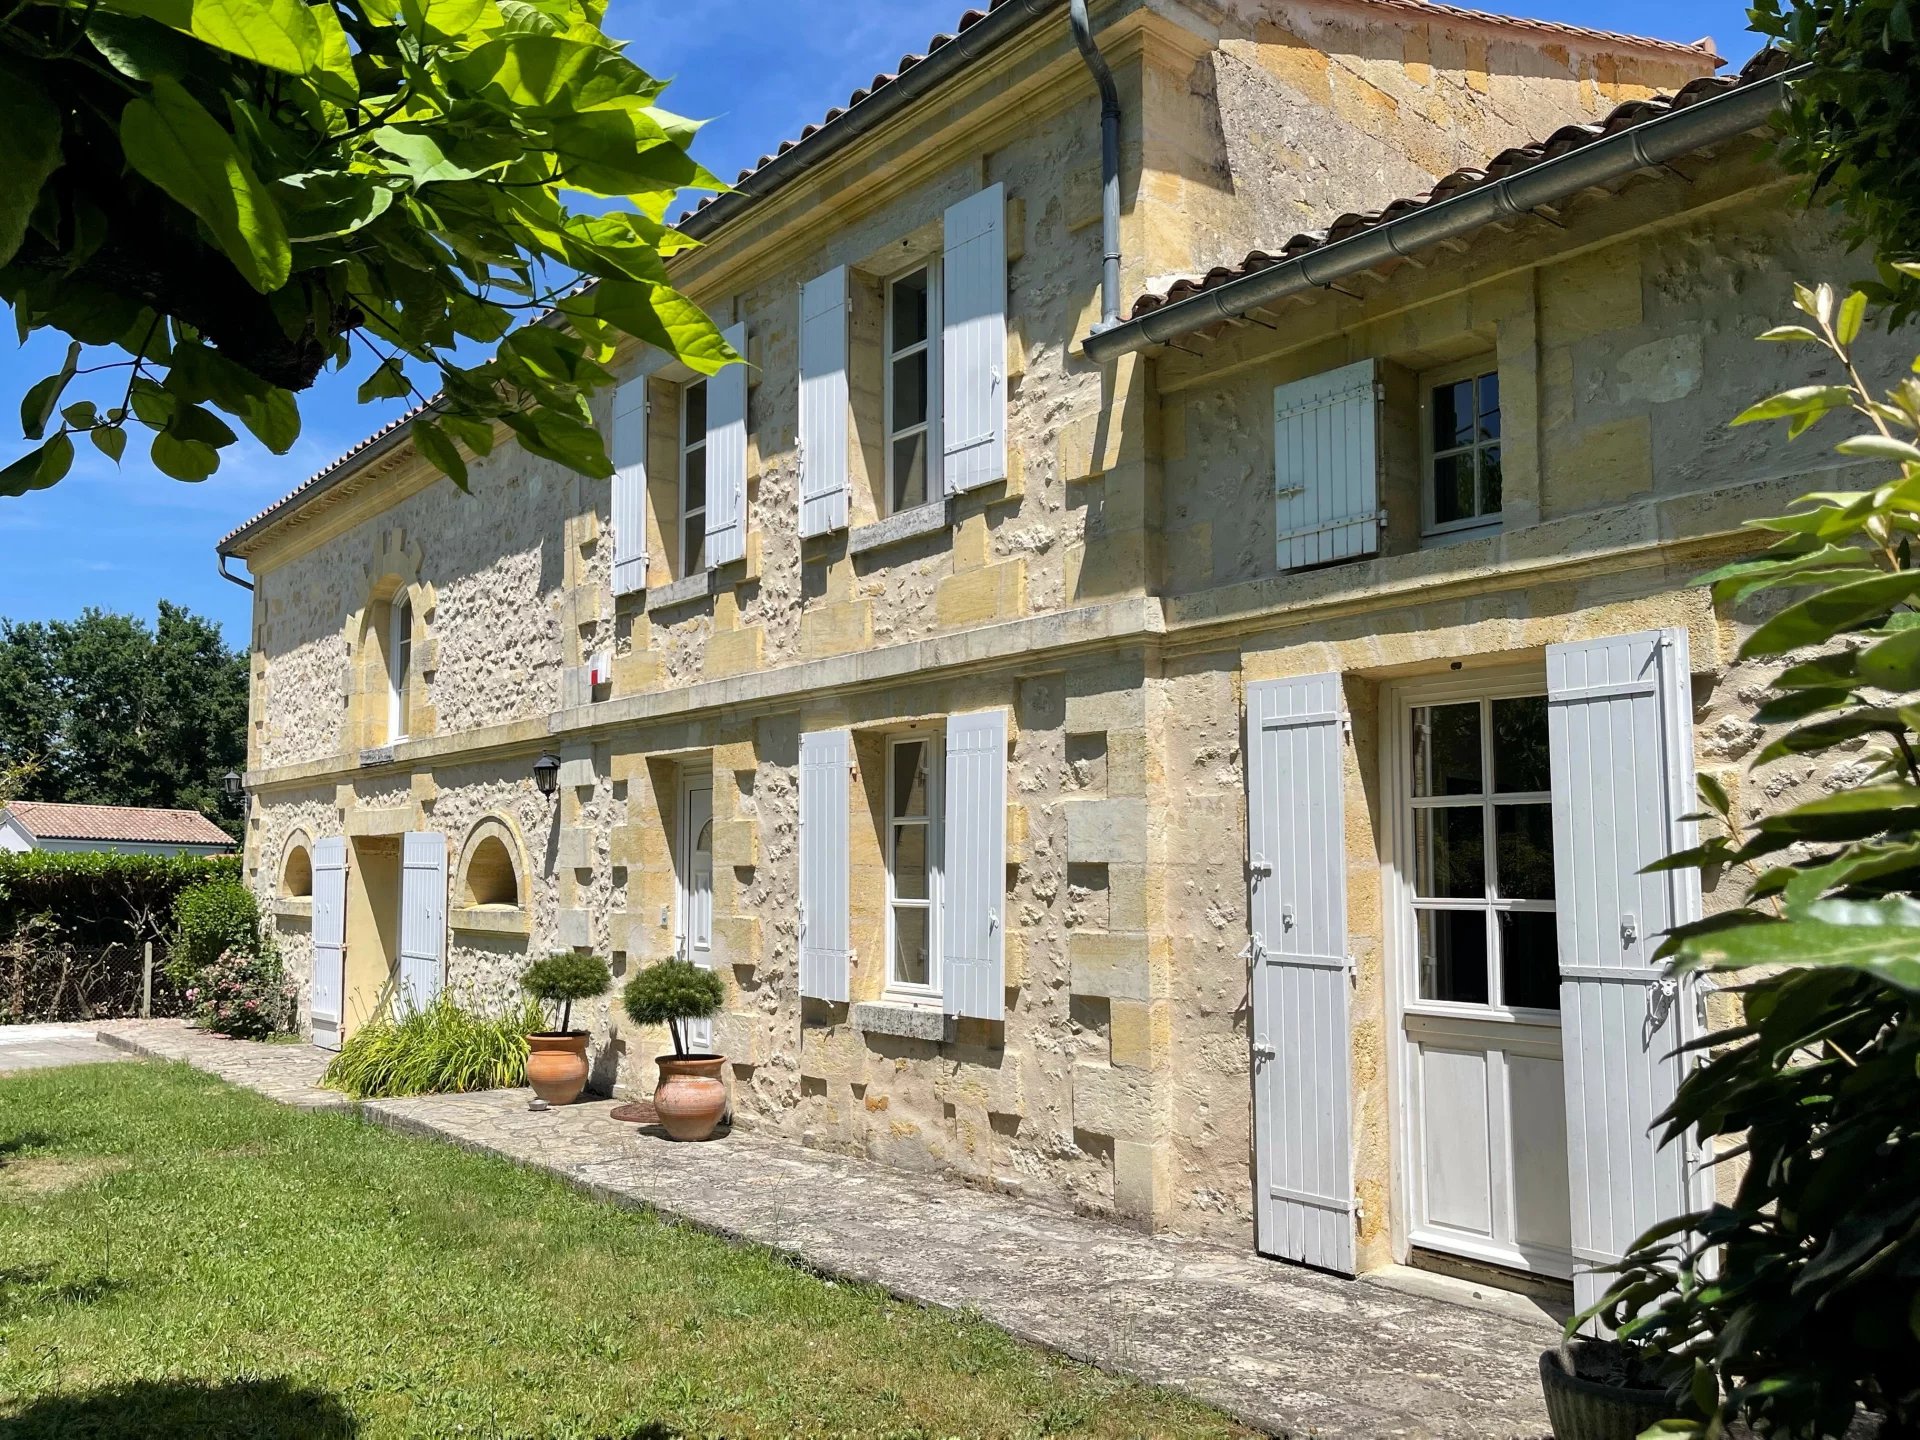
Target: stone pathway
1286	1350
40	1047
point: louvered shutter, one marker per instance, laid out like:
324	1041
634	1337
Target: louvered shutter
973	912
974	340
1296	841
1620	724
823	403
423	919
328	1000
1326	467
727	457
630	487
826	758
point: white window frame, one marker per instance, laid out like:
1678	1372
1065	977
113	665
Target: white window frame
932	343
1402	888
1430	454
688	445
399	662
934	821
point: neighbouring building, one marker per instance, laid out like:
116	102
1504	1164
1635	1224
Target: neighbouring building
119	829
1194	768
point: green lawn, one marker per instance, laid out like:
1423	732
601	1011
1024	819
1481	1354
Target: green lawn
181	1257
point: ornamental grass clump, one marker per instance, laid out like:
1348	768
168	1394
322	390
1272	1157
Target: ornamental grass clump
671	992
441	1048
564	977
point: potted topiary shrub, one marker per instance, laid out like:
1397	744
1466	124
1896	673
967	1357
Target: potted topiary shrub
691	1097
557	1059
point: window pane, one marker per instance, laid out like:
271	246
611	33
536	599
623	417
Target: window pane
1453	415
910	778
910	945
1446	749
910	310
1490	407
1453	488
1492	481
1523	837
909	471
1520	745
696	479
1450	853
1453	955
910	861
910	390
694	554
1529	960
696	413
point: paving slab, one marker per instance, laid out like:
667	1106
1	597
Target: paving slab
42	1047
1284	1349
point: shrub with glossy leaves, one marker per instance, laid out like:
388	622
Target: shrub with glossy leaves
671	992
242	995
1798	1300
212	919
564	977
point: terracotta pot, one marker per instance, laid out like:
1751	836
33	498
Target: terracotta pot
557	1066
691	1097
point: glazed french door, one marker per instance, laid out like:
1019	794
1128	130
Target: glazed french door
694	857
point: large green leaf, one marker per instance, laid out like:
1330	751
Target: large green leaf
172	140
660	316
31	124
542	75
1853	814
420	155
279	34
1818	618
1881	937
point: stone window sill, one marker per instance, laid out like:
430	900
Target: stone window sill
491	920
929	519
293	907
909	1022
694	587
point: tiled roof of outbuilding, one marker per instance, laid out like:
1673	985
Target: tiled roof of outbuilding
133	824
1568	137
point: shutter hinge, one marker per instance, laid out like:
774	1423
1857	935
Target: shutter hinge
1346	725
1259	865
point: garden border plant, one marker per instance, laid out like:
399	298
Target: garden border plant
691	1097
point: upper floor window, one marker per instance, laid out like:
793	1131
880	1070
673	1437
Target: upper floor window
399	665
913	865
693	477
1462	467
913	387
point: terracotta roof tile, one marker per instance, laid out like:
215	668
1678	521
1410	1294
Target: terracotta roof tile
1568	137
45	820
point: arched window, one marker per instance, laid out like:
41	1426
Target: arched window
399	664
296	870
491	876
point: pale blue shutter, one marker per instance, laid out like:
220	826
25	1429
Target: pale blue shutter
973	911
1326	467
974	340
823	403
1620	723
727	457
423	919
629	456
327	1004
1302	1041
826	759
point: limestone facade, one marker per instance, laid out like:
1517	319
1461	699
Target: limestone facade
1113	595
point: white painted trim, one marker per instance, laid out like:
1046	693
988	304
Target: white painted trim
935	759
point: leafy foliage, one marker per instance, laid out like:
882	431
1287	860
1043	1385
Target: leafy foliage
227	196
564	977
1852	119
210	920
441	1048
673	991
100	898
110	712
243	995
1799	1299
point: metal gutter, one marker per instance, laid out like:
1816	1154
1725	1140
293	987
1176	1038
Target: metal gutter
1639	147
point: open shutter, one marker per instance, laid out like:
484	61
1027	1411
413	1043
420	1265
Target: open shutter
423	919
973	928
630	487
1302	1044
727	457
1621	730
826	759
974	340
1326	467
823	403
328	1001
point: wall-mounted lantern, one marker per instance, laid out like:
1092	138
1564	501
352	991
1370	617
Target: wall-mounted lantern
233	785
546	773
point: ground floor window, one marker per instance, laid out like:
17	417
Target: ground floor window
913	865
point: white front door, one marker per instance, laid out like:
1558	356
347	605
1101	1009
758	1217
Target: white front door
695	874
1483	1128
327	1006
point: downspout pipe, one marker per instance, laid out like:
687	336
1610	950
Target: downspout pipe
1109	165
228	575
1654	142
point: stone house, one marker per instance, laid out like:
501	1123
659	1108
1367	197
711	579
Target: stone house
1090	752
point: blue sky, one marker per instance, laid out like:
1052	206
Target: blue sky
126	538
